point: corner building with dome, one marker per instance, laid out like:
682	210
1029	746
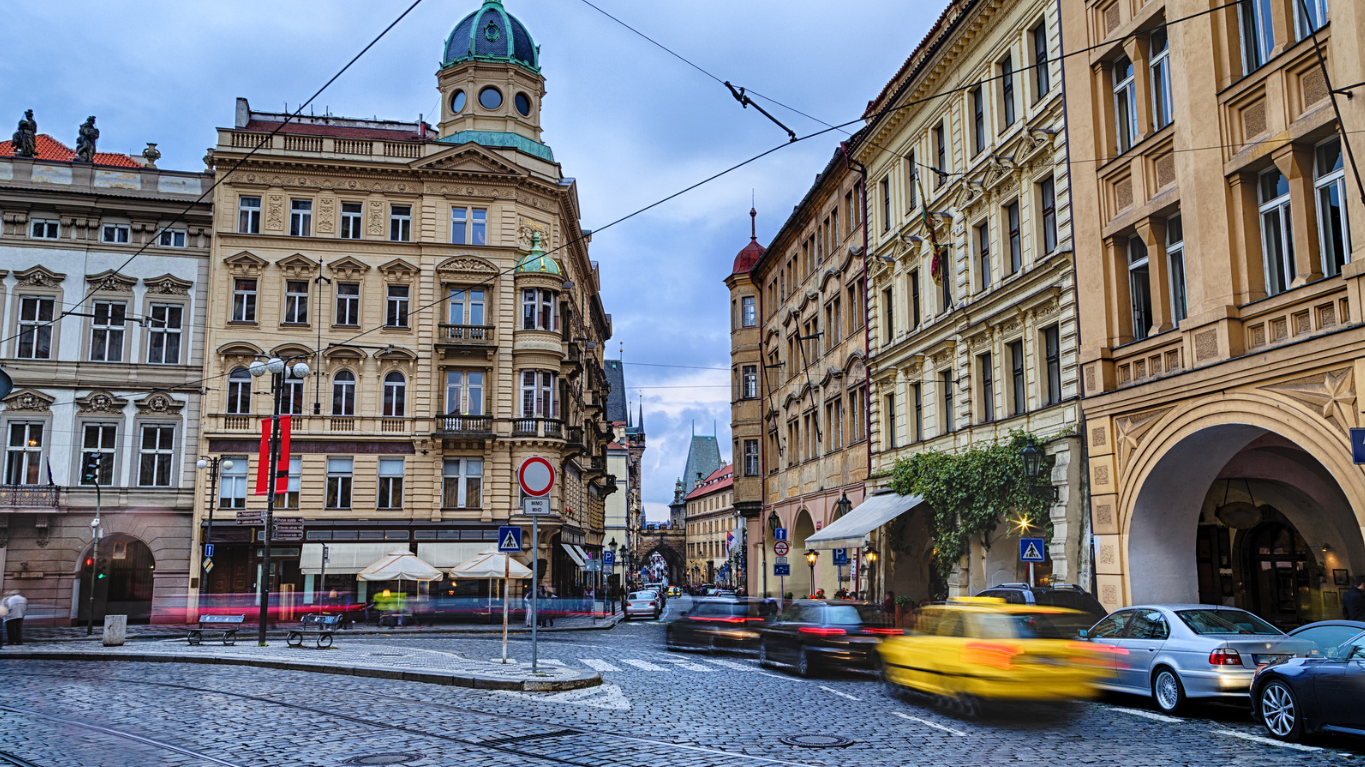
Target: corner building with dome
437	282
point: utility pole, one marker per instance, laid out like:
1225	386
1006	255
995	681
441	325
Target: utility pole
92	473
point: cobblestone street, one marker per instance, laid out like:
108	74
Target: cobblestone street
654	707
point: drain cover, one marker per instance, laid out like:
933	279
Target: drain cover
382	759
817	741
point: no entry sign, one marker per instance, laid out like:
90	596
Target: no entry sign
536	476
780	548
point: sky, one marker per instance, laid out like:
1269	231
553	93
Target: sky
631	122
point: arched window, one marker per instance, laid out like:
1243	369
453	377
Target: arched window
395	394
343	393
239	392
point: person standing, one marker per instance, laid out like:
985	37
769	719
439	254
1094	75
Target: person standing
14	623
1353	601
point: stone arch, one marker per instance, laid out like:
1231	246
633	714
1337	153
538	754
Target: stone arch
677	564
803	526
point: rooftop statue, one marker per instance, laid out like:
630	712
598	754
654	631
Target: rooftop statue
85	142
26	138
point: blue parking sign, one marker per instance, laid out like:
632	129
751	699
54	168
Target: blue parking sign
840	556
782	569
509	539
609	558
780	534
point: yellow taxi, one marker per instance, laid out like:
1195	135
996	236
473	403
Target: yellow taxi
980	648
674	591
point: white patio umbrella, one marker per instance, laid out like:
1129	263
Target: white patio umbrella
400	565
489	564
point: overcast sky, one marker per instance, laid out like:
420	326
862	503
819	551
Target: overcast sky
629	121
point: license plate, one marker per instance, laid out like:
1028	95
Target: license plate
1265	660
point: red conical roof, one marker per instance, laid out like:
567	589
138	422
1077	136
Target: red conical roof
748	257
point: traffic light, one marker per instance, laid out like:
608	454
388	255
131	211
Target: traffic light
89	562
102	569
90	469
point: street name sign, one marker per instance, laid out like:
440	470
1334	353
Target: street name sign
289	528
782	569
509	539
536	476
251	517
781	548
535	507
780	534
1031	549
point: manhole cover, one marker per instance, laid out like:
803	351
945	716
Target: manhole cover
817	741
381	759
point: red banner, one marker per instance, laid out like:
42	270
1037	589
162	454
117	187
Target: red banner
263	460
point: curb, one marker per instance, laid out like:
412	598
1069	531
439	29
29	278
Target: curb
472	681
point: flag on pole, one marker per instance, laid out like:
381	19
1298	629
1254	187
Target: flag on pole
281	468
938	263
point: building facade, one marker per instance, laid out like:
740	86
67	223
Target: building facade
437	282
624	512
715	531
102	300
1217	224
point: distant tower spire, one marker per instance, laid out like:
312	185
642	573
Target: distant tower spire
753	223
640	422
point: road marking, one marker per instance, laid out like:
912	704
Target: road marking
604	696
840	694
1266	741
687	664
643	664
550	661
731	664
928	723
597	665
1147	714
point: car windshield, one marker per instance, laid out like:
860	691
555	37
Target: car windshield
852	615
1226	622
643	595
1324	637
1029	625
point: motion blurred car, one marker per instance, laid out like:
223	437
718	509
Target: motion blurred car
813	634
1177	652
725	623
674	591
974	650
1321	693
644	604
1061	595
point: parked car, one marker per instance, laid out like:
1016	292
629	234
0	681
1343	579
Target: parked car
1323	692
645	604
1061	595
674	591
1177	652
1328	634
726	623
811	634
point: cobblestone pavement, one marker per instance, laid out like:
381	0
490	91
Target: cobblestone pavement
654	708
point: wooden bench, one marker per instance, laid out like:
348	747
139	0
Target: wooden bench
314	624
225	625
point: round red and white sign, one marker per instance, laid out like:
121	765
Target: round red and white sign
536	476
781	548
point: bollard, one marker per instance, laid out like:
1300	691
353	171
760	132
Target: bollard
115	627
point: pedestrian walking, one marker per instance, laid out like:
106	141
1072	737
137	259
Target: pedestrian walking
17	605
4	613
1353	601
526	605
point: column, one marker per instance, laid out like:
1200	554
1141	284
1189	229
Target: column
1296	163
1153	234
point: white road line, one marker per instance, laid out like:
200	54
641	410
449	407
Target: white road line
928	723
643	664
840	694
1266	741
730	664
597	665
550	661
1146	714
687	664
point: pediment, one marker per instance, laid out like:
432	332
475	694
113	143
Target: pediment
111	281
397	353
398	268
159	404
245	262
297	352
167	285
464	268
100	403
349	268
38	277
239	348
343	353
297	265
468	158
28	401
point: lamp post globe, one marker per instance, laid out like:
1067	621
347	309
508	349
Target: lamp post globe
301	370
256	368
227	465
202	463
275	365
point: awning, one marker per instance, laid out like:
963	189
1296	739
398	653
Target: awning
583	556
342	558
400	565
573	553
848	531
489	564
448	555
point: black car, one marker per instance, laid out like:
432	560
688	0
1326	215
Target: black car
724	623
1318	693
811	634
1061	595
1328	634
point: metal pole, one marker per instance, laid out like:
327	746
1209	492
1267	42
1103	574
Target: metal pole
535	585
1030	575
506	573
94	559
276	381
208	532
763	544
322	580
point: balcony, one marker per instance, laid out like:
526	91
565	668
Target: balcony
472	426
465	335
549	428
314	424
575	438
29	496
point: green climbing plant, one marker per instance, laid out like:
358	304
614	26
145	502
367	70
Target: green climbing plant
971	493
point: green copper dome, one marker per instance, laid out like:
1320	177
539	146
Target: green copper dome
536	262
491	34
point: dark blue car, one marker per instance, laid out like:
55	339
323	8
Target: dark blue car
1323	692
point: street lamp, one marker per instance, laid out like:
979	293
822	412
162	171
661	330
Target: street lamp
205	463
811	556
1033	466
842	506
870	556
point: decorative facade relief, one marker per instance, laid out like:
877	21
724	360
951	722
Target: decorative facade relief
1331	396
1130	431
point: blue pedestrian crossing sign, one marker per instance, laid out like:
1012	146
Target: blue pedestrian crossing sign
1358	445
780	534
840	556
509	539
1031	549
782	569
609	558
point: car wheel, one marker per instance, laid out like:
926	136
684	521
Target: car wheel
763	659
1167	691
893	690
804	667
1280	711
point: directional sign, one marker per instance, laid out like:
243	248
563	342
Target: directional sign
535	507
781	548
782	569
1358	445
253	517
593	565
780	534
288	528
609	558
208	565
1031	549
780	561
536	476
840	556
509	539
208	550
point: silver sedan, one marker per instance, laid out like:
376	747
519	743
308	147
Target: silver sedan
644	604
1177	652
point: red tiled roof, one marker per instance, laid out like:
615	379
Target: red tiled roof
719	480
52	150
335	131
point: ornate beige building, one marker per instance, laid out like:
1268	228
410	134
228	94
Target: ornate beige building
1217	222
438	283
714	530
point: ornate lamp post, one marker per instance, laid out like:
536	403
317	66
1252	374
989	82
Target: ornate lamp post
811	556
870	556
773	524
213	465
1033	466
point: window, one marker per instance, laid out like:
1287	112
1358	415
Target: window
348	303
537	394
1007	91
116	234
1309	16
911	181
239	392
249	215
889	418
172	238
751	458
106	331
748	312
464	392
400	223
983	364
946	383
1052	345
396	313
1042	79
290	498
886	204
462	483
1048	201
917	400
983	253
390	483
945	287
459	226
1161	78
43	229
35	327
1016	244
339	482
243	300
1175	264
888	316
300	218
232	483
1329	181
1139	287
24	454
1258	33
343	393
940	156
478	226
1019	399
914	299
1277	239
156	455
296	302
749	385
1125	104
835	238
395	394
857	414
350	220
538	310
291	397
466	307
100	440
978	121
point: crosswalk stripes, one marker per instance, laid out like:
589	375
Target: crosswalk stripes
687	664
550	661
643	665
732	664
597	665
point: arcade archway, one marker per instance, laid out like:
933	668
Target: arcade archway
123	580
